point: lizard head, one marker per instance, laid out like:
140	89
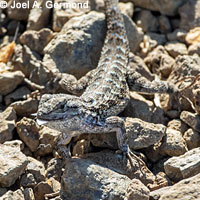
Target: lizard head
54	107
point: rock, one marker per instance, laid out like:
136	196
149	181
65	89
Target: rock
26	107
184	166
169	7
173	143
29	63
159	61
2	31
41	189
12	26
28	180
36	168
193	36
145	110
98	182
13	163
39	16
151	41
194	48
15	143
17	195
142	20
177	35
18	13
184	190
2	191
178	125
142	134
7	124
83	147
10	80
37	40
126	8
175	48
190	19
27	130
156	194
43	149
191	119
113	161
87	31
28	194
192	138
164	24
19	94
62	15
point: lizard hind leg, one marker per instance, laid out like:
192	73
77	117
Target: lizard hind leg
118	125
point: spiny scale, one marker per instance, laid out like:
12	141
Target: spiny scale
108	90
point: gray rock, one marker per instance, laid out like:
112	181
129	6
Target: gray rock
26	107
191	119
36	168
173	143
169	7
142	134
194	48
29	63
184	166
177	35
39	16
64	54
192	138
13	163
164	24
19	13
36	40
19	94
7	124
114	161
16	195
2	191
98	182
28	180
62	15
28	194
177	125
10	80
156	194
175	48
184	190
27	130
190	19
143	18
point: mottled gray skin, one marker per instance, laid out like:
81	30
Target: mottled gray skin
106	90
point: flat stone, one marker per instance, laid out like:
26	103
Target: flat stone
27	130
98	182
16	195
184	166
184	190
87	31
37	40
62	15
39	15
192	138
169	7
190	19
10	80
143	134
191	119
113	161
13	163
173	143
175	48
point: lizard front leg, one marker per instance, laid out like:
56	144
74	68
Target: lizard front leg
70	84
140	84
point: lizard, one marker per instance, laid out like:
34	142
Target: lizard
105	91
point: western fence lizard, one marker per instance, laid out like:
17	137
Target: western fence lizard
106	90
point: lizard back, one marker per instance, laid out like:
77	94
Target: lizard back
108	92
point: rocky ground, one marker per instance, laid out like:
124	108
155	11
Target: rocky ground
164	37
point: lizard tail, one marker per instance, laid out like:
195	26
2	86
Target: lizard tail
111	4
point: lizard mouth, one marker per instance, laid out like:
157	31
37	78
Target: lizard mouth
41	122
